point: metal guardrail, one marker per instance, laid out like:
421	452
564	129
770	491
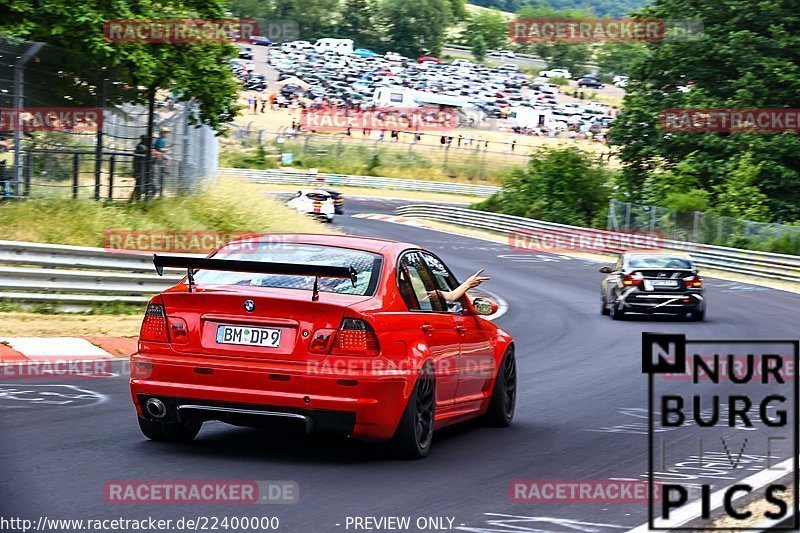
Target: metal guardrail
519	229
298	177
77	276
74	276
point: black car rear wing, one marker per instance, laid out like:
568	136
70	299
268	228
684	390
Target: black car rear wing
191	264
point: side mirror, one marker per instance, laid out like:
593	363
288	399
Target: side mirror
484	306
606	270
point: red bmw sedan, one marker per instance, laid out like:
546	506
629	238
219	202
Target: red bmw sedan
337	334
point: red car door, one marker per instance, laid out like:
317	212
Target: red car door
476	361
428	316
476	353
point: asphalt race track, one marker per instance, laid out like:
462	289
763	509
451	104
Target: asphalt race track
582	399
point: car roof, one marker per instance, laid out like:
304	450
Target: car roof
367	244
658	253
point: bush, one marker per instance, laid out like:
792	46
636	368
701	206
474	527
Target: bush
558	80
565	185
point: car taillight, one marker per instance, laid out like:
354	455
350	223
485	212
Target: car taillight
154	325
695	282
321	341
631	281
178	332
355	337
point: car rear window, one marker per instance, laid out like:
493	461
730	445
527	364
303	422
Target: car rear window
660	261
366	264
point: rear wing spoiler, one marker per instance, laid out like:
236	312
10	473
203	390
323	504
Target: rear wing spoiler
191	264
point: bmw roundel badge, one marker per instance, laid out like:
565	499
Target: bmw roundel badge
249	306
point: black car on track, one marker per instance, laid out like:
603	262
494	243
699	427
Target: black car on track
590	81
657	282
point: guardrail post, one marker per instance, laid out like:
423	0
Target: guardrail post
111	165
76	166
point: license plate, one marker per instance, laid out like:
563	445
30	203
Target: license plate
245	335
664	283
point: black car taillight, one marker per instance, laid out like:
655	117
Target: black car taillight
632	281
154	325
694	282
355	337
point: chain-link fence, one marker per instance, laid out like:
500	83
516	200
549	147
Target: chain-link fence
705	228
70	129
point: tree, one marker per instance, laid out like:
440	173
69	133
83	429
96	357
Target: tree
416	27
315	18
746	57
620	57
359	21
564	185
491	25
558	54
478	47
740	197
197	71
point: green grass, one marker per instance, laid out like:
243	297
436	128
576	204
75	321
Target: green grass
230	205
99	308
424	162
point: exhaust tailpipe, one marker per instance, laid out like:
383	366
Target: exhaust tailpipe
156	408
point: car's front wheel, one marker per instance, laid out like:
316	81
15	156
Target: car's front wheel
414	434
169	431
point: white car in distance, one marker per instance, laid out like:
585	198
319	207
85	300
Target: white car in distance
556	73
503	53
314	202
394	57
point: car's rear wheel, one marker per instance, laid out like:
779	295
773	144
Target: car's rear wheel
615	312
169	431
414	434
698	316
504	395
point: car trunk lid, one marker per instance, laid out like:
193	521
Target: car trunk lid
228	321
